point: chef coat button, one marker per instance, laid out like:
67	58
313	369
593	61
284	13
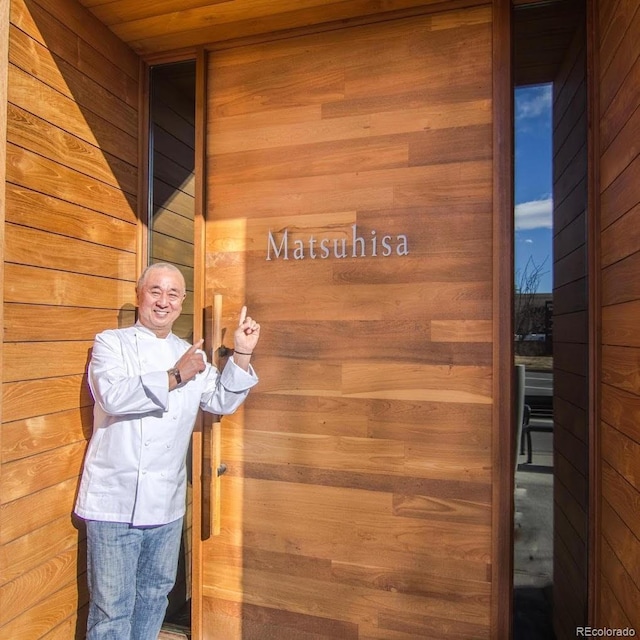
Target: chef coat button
144	471
147	443
168	446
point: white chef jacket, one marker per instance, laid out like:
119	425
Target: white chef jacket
135	465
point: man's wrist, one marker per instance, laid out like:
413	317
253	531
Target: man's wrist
175	373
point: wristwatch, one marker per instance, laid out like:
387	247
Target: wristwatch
175	372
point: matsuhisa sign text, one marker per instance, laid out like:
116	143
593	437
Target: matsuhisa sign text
317	247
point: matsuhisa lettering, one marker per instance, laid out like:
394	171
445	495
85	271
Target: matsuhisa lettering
321	248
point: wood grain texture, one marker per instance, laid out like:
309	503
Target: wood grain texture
626	589
619	111
621	452
22	477
620	196
25	284
38	248
574	556
29	170
621	496
571	349
70	240
619	322
100	58
75	623
89	32
48	577
613	615
358	493
179	25
570	236
34	511
40	322
614	22
35	64
620	281
67	219
70	151
4	63
620	368
621	238
622	150
73	118
171	222
30	361
620	409
27	552
24	438
619	537
50	612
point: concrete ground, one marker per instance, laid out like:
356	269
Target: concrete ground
533	546
533	542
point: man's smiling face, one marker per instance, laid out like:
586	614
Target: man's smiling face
160	300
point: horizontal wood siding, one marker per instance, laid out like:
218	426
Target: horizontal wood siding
618	76
570	341
4	61
172	222
69	270
357	503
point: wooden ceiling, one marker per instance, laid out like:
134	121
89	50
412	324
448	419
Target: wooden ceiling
154	26
542	28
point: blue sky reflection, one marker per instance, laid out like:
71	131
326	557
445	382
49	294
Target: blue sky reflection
533	181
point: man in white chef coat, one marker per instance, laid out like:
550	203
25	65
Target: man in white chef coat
148	385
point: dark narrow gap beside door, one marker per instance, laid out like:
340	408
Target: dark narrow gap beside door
171	206
550	47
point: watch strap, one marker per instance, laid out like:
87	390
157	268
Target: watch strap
175	372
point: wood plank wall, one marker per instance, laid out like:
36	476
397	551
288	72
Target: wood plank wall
570	341
358	498
172	222
618	75
4	64
70	265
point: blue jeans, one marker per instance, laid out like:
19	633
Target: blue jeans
130	571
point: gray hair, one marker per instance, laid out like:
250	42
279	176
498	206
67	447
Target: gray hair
153	267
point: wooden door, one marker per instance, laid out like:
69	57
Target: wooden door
349	182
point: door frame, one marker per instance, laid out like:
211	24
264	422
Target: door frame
504	440
199	306
199	56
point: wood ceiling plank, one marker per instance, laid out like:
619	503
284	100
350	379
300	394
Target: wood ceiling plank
122	11
177	28
137	17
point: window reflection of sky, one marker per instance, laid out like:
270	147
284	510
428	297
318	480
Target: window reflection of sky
533	180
